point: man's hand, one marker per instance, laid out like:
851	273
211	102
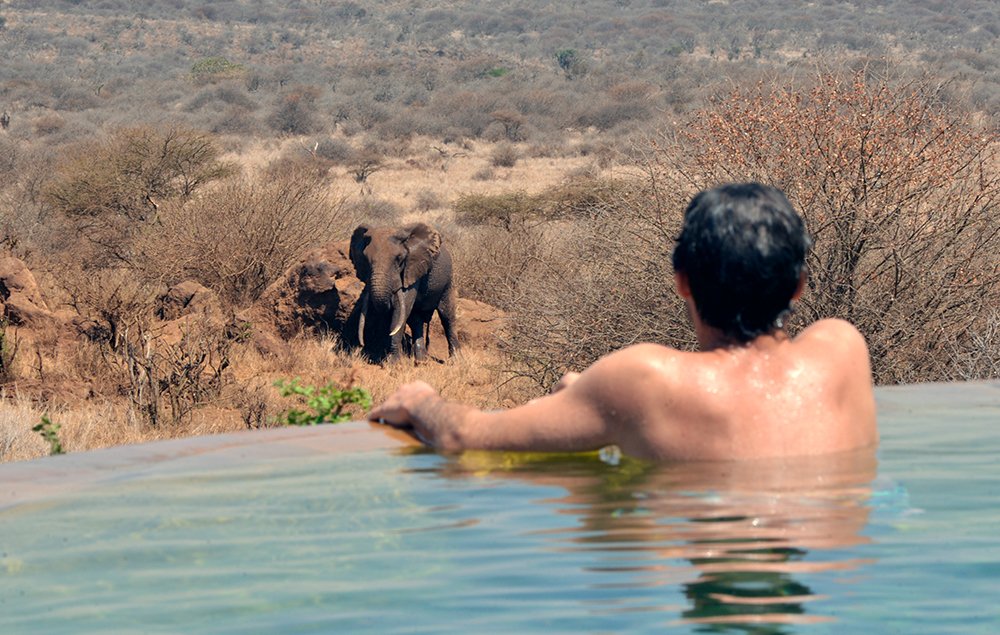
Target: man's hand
420	410
398	409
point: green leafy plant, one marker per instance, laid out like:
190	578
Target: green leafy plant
325	404
50	432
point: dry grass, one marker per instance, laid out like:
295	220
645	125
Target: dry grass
86	426
474	376
17	441
251	400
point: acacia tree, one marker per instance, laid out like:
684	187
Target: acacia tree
900	194
121	174
107	189
512	123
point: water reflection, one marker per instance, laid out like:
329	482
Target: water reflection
740	540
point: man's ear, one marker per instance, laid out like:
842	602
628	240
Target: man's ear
801	286
683	285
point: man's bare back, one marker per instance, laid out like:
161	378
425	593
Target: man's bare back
749	392
775	397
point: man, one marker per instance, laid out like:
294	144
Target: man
750	392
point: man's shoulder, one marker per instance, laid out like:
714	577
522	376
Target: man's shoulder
628	365
629	373
836	345
643	356
833	332
627	381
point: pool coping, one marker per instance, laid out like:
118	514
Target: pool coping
50	476
46	477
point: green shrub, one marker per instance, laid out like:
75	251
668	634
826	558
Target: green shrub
324	404
50	432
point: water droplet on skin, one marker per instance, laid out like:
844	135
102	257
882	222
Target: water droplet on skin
610	454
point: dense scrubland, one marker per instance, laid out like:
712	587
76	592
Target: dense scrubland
554	144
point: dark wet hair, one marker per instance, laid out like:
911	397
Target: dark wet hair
743	249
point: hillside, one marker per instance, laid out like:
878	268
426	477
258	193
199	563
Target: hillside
441	69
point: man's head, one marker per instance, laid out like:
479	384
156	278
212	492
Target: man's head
742	250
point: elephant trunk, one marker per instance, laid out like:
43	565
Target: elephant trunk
399	313
382	289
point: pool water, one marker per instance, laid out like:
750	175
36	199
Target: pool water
345	530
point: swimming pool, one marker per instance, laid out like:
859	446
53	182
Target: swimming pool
345	529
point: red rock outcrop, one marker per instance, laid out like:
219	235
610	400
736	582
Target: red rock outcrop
21	302
315	295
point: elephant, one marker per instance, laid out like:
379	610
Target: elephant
407	274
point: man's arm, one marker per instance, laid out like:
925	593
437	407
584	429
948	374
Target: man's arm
572	419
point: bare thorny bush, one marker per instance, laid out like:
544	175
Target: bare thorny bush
602	289
899	192
112	301
166	380
238	237
576	285
159	202
110	189
164	375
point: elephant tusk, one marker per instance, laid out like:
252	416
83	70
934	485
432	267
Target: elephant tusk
399	314
361	320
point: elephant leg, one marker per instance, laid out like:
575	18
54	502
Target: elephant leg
447	309
416	323
396	345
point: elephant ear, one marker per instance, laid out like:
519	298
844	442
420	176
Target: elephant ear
360	240
422	244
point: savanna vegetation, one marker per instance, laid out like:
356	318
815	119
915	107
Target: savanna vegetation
147	144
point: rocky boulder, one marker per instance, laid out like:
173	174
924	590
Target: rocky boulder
187	298
189	308
21	302
315	295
